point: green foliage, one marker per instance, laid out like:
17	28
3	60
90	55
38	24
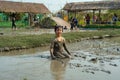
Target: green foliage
8	24
47	22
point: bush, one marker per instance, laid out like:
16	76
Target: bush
47	22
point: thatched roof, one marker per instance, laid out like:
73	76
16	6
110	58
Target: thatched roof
96	5
8	6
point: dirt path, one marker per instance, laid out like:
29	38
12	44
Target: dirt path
61	22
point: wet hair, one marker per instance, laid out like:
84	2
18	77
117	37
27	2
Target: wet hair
58	26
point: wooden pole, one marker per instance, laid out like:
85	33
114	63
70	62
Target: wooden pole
93	13
99	13
30	19
68	15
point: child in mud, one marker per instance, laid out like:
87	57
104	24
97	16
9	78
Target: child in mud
58	45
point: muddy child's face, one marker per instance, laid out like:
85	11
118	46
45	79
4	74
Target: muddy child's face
59	31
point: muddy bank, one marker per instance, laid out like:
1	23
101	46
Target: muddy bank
75	44
8	49
26	39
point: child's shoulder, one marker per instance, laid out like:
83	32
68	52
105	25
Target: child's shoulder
55	39
63	39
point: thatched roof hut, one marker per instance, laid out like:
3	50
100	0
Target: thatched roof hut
75	7
20	7
9	6
96	5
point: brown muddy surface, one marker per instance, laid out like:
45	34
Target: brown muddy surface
93	60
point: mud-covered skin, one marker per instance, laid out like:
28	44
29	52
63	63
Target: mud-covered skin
58	49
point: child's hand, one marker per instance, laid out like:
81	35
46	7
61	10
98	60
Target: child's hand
71	56
53	57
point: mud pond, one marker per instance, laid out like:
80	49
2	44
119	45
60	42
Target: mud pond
93	60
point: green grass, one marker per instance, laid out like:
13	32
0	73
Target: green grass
102	26
28	40
79	35
38	40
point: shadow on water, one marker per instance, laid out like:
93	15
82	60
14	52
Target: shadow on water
58	68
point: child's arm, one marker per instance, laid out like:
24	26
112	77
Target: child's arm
51	50
51	53
64	45
66	49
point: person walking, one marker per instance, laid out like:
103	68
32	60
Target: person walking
13	23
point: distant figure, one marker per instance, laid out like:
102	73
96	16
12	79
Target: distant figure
36	23
72	23
58	45
75	22
59	15
65	27
115	18
13	23
26	21
87	18
95	18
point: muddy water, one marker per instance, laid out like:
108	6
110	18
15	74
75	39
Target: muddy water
93	60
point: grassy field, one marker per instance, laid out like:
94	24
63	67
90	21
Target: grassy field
29	41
